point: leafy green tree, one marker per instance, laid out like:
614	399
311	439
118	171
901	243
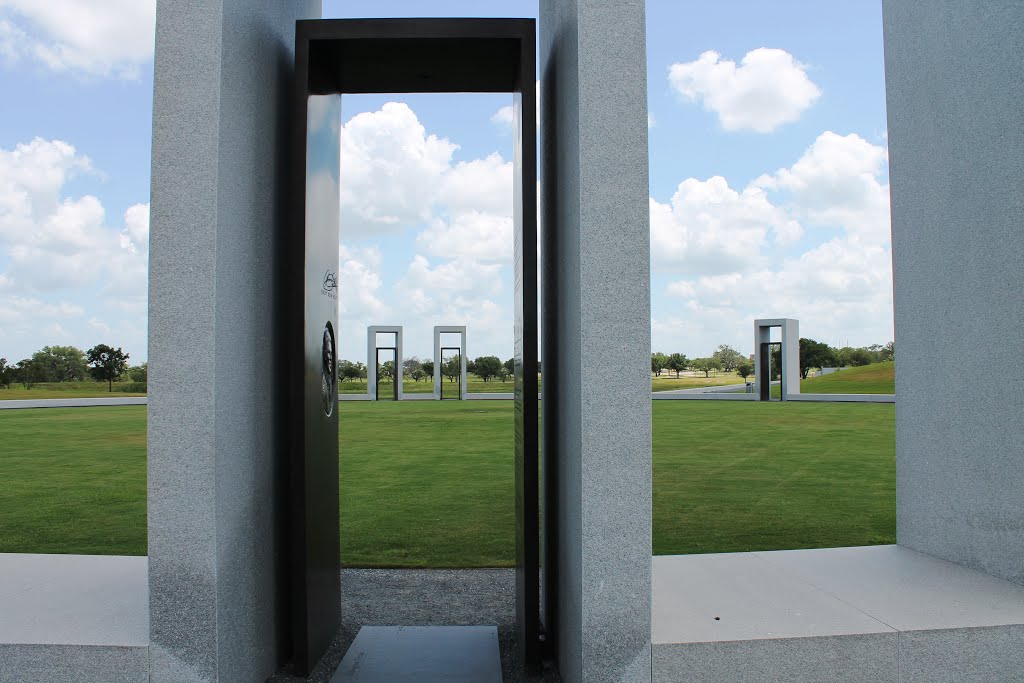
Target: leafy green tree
471	366
139	373
411	365
344	370
815	354
60	363
6	374
452	368
29	373
107	363
706	365
888	352
347	370
677	362
745	369
417	374
487	367
855	357
386	370
510	366
659	362
728	357
428	368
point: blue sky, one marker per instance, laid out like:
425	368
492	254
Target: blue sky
769	180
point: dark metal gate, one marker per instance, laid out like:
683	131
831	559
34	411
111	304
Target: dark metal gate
335	56
764	377
458	394
396	375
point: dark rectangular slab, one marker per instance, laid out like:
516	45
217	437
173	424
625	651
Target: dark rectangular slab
422	654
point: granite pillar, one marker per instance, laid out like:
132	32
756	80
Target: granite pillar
220	142
954	78
596	314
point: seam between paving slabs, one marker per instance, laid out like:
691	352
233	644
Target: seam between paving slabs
829	593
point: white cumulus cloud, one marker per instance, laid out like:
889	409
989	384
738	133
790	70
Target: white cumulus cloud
839	182
766	90
56	248
481	237
711	228
112	38
457	292
504	117
360	284
396	178
391	171
483	185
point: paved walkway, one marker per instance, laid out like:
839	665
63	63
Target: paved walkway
854	614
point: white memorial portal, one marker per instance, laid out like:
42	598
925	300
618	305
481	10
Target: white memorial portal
790	371
438	376
371	357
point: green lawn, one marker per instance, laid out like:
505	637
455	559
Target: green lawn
877	378
475	385
73	481
430	484
67	390
769	476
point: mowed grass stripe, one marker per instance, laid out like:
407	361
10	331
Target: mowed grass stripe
771	476
427	484
73	481
877	378
431	484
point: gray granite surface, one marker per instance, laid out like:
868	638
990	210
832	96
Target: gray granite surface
954	77
596	313
222	93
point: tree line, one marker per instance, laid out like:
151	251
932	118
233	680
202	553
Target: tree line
723	358
813	354
486	368
55	364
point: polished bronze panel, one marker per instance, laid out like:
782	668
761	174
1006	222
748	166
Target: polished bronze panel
527	428
314	600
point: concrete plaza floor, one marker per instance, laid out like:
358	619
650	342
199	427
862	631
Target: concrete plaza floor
866	613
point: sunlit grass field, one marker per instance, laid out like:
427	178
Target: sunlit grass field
474	385
877	378
430	484
67	390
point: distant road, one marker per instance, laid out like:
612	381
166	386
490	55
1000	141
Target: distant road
73	402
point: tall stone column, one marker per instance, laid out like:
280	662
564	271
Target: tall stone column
220	142
596	314
954	78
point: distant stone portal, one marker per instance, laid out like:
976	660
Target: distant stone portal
789	372
373	360
439	359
